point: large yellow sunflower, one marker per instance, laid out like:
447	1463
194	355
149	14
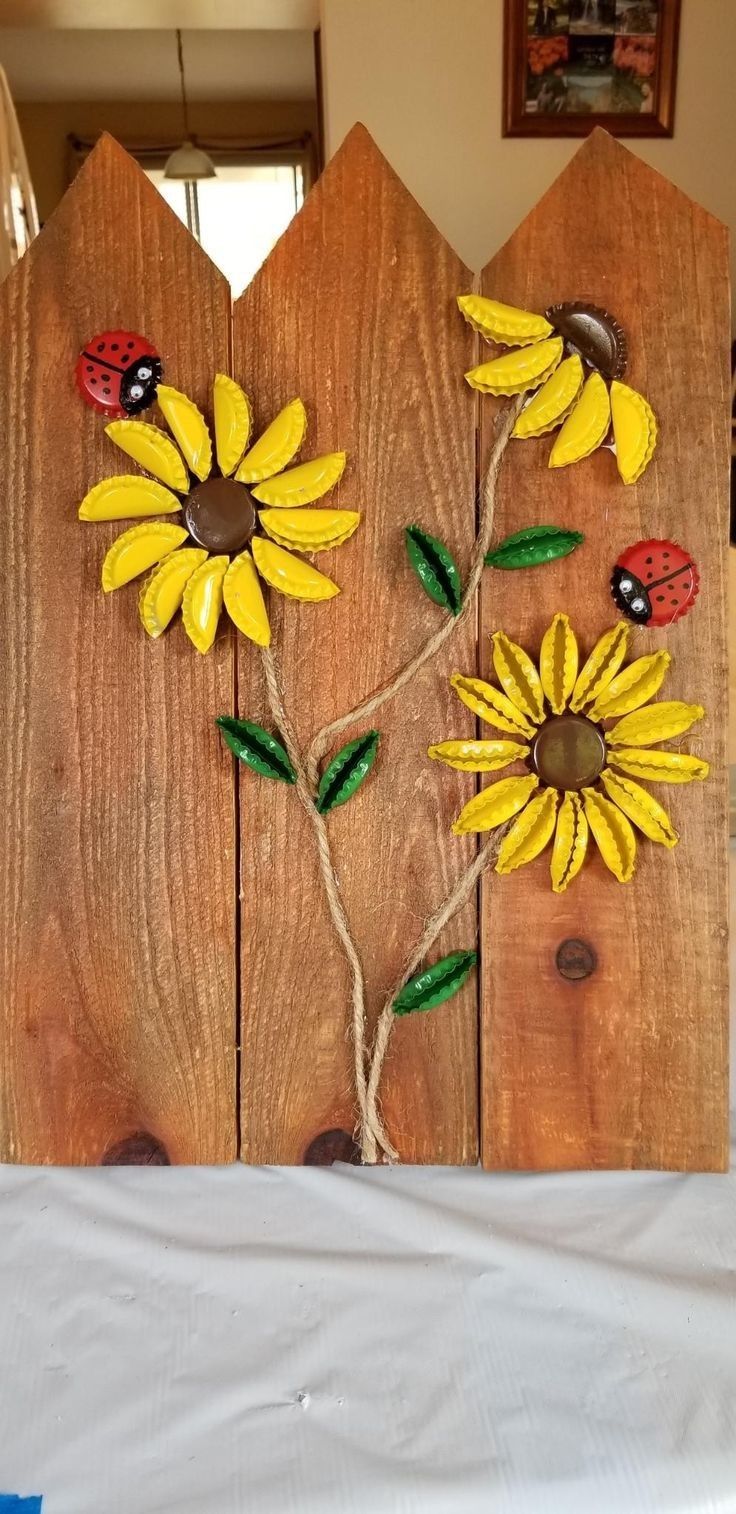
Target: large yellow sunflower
583	766
219	515
574	357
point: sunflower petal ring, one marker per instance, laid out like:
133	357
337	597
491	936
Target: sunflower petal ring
582	769
226	556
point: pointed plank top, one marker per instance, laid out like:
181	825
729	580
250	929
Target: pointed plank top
107	187
606	185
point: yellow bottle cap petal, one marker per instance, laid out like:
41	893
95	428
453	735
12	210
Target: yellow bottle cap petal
634	431
634	686
491	705
244	600
529	833
277	446
162	595
233	421
558	663
153	449
189	427
552	403
503	323
515	372
571	843
641	807
659	767
586	425
655	722
518	677
127	496
495	804
137	550
309	530
477	756
202	602
302	485
290	575
601	666
613	834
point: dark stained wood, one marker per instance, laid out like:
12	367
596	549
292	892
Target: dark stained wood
355	311
626	1067
660	122
118	918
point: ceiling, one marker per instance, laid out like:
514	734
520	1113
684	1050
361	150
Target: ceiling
154	15
141	65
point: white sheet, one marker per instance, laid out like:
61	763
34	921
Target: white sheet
350	1342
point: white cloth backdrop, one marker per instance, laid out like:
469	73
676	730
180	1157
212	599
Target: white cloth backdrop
314	1341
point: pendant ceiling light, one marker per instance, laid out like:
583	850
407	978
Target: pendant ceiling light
187	162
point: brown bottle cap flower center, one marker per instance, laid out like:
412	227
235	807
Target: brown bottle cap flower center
594	333
220	515
568	752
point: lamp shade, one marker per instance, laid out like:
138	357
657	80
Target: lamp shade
189	162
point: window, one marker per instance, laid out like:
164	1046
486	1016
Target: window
241	213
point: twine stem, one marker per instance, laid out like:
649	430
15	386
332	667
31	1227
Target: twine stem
306	792
374	1134
325	737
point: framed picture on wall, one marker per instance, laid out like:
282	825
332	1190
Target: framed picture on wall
570	65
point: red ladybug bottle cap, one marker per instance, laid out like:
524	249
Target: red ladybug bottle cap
655	582
117	373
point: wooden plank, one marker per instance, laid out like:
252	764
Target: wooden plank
118	976
354	311
627	1067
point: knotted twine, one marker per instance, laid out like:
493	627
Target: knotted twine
370	1128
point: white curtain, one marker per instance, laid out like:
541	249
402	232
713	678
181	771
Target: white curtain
18	214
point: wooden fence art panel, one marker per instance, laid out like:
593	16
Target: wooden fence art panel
200	963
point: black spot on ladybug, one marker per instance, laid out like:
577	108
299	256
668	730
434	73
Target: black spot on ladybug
106	390
101	347
105	378
649	559
114	346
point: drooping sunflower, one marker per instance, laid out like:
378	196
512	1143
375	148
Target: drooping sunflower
574	357
581	768
219	517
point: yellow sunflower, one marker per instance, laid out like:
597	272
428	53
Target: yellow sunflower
218	514
582	768
574	357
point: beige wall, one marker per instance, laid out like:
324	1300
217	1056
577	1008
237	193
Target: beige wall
425	77
45	128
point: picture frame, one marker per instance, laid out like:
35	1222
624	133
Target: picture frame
590	63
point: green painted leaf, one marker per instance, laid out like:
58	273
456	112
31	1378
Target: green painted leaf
435	568
533	545
347	771
436	983
257	748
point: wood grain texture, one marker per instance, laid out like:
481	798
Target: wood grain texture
355	311
118	918
627	1067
